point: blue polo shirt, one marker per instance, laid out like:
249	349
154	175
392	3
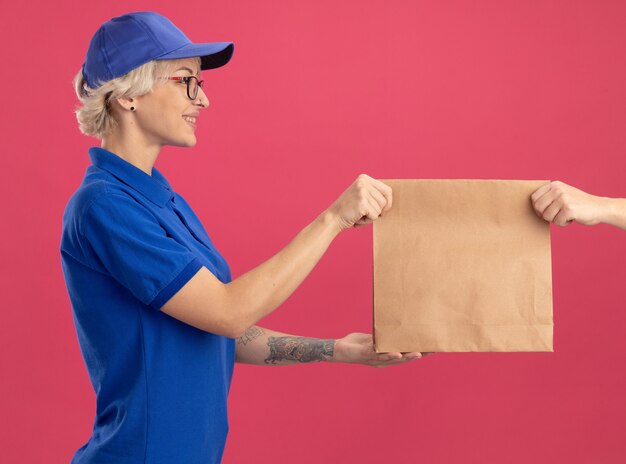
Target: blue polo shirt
129	243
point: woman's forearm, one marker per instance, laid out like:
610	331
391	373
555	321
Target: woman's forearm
262	289
266	347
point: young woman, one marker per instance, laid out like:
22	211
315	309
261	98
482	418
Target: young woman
160	322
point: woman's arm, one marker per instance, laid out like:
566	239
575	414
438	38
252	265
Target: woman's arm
265	347
229	309
561	204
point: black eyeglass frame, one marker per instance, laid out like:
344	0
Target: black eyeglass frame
187	80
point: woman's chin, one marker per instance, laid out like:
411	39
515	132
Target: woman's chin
187	142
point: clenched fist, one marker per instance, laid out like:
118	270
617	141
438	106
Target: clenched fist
561	204
362	203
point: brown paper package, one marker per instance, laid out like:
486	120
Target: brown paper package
462	265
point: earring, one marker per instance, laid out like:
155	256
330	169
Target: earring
132	108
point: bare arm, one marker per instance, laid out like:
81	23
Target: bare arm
615	212
561	204
229	309
266	347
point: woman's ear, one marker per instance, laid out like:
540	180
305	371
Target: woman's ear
126	104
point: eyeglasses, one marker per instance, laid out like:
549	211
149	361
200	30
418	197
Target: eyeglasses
192	85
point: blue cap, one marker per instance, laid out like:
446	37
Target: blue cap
128	41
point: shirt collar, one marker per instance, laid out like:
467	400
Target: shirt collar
155	187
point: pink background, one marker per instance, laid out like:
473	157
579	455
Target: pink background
318	92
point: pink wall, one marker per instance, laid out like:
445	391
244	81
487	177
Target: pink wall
318	92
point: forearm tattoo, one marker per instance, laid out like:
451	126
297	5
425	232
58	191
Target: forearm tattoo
252	333
299	349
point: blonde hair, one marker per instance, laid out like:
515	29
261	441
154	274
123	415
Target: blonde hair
95	116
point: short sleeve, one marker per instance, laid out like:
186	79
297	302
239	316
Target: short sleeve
129	244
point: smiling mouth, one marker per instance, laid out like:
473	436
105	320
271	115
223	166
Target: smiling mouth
191	120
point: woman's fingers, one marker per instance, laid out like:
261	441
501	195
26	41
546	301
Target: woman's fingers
386	192
379	197
393	362
374	208
391	359
362	203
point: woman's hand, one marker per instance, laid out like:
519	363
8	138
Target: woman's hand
358	348
561	204
362	203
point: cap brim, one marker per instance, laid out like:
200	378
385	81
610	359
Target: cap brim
213	55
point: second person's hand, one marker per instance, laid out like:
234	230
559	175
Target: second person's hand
561	204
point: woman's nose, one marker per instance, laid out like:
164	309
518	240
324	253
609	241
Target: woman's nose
202	99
